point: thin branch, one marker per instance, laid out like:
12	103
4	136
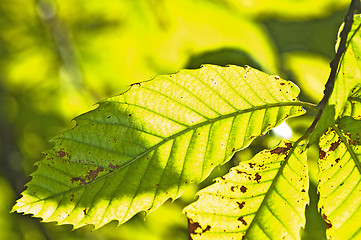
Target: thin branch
348	21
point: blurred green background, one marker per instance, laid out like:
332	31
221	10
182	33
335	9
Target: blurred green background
59	57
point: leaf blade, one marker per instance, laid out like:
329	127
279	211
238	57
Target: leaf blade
339	179
263	198
139	149
349	72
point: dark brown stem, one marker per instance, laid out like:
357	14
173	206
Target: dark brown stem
348	21
355	5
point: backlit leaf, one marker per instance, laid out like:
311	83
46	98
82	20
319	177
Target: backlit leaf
340	181
346	82
340	173
349	73
140	148
263	198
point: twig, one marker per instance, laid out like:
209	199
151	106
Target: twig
355	5
348	21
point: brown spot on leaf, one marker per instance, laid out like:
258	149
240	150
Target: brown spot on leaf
241	219
241	205
327	221
193	226
354	142
232	188
337	160
334	145
92	174
81	180
85	211
280	150
61	153
207	228
113	167
243	189
72	197
251	165
257	177
322	153
240	172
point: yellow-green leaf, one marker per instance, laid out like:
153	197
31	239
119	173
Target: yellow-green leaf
340	172
349	72
140	148
263	198
353	104
347	81
340	180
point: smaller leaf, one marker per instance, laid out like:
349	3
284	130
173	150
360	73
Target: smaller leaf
326	121
350	125
353	105
349	72
340	179
263	198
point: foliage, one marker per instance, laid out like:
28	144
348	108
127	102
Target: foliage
80	180
146	145
261	198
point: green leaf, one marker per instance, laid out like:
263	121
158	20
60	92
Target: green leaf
263	198
347	82
340	172
326	121
349	73
340	179
140	148
353	104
